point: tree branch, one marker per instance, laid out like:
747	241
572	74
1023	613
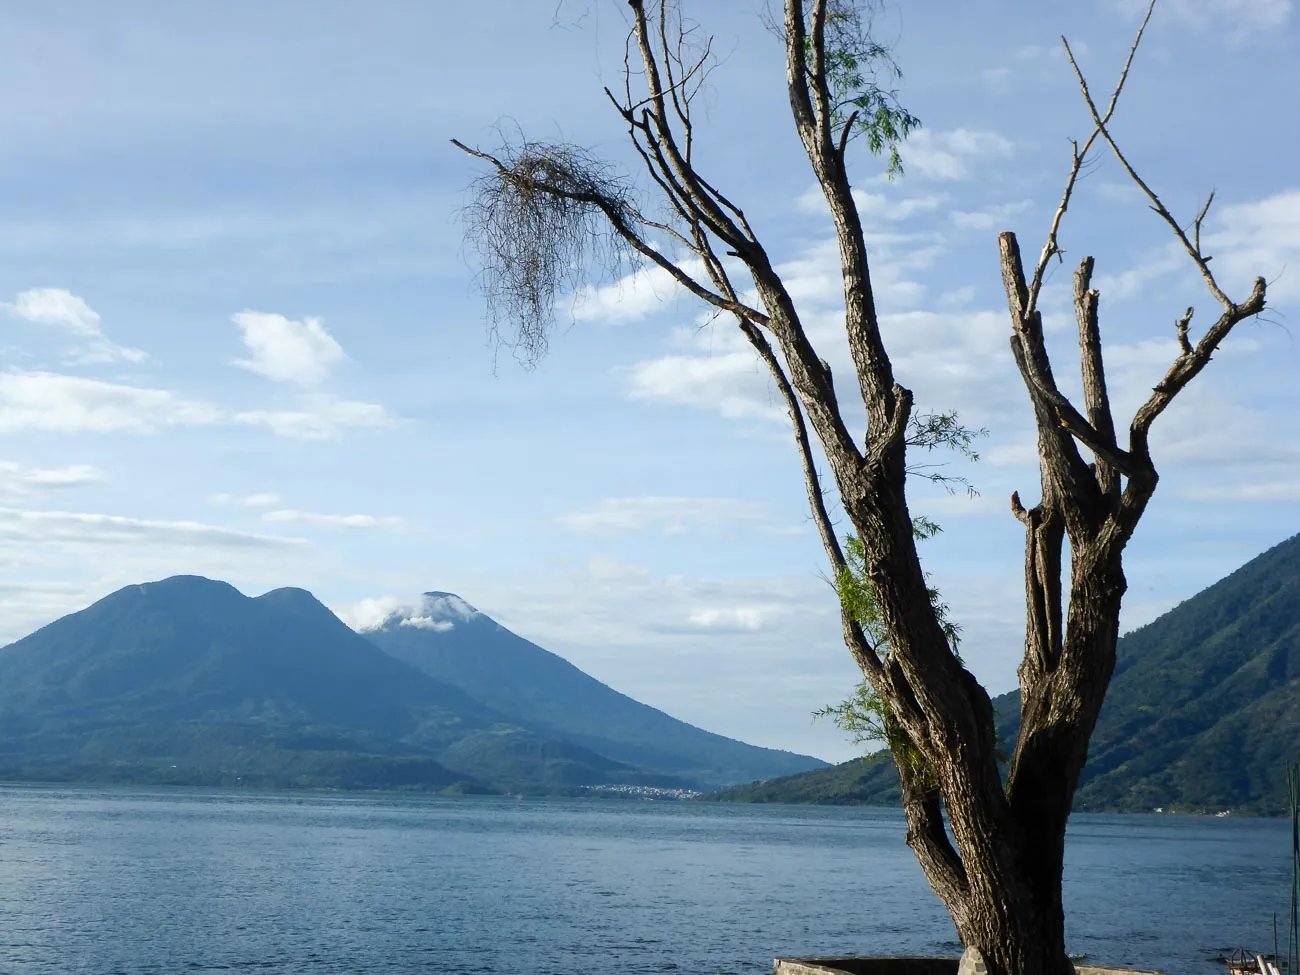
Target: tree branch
810	103
720	223
1064	423
619	216
1101	121
929	840
1093	374
1051	247
1189	364
863	652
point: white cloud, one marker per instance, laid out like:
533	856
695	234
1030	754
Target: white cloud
286	350
1037	52
952	360
956	360
1240	437
25	606
345	522
1012	453
71	404
19	481
881	206
949	155
1169	258
57	307
46	527
731	617
262	500
373	612
428	623
1239	18
323	418
813	279
438	613
960	297
602	571
61	309
886	208
1148	354
734	383
632	296
706	649
1259	238
667	516
1116	191
991	218
959	504
1283	491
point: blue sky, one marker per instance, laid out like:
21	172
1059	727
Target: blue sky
241	336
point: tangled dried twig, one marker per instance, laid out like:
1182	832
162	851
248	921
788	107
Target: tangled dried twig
544	220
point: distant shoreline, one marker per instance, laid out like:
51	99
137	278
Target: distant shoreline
599	794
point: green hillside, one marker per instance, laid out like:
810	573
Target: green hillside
869	781
1203	712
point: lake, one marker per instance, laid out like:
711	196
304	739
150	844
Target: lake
104	880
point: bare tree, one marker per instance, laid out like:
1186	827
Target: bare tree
540	209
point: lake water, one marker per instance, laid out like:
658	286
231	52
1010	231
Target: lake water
169	881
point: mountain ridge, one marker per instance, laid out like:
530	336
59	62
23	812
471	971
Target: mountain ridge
1202	713
188	679
516	676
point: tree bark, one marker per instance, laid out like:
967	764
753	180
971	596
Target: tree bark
992	851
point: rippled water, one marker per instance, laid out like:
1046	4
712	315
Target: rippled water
127	881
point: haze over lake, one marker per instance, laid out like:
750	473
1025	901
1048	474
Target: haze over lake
101	881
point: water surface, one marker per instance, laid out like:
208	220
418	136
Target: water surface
174	881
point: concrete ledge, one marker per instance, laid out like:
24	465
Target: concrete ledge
873	965
899	965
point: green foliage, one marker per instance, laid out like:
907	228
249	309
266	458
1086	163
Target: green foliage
865	715
860	597
932	431
859	71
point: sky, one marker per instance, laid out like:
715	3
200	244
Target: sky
242	337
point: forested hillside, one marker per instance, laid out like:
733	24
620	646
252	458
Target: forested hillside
1203	712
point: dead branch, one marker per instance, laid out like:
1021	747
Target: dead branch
1051	248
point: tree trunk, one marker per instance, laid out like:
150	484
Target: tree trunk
996	860
1004	894
1028	939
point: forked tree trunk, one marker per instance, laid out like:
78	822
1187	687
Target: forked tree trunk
997	863
996	859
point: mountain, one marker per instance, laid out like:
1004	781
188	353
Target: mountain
449	639
1202	714
867	781
187	680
